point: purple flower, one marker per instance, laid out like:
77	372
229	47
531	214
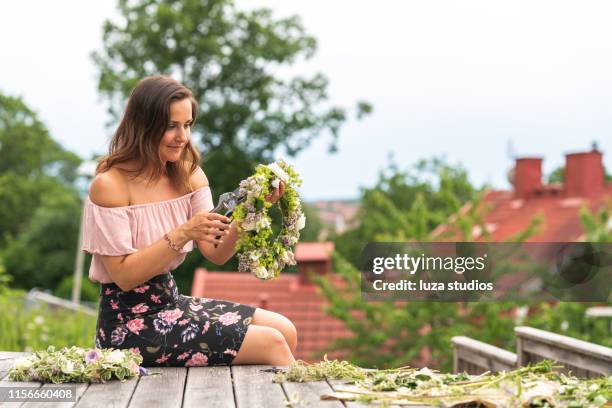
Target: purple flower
92	356
143	371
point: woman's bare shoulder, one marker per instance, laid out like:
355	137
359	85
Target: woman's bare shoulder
109	189
198	179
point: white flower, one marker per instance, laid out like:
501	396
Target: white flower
115	356
67	367
23	363
261	272
39	320
279	172
264	222
301	223
275	183
254	256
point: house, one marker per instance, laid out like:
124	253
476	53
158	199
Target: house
507	213
291	294
336	215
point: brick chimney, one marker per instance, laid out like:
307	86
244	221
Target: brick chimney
313	257
584	174
527	176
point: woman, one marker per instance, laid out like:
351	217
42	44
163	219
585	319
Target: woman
147	205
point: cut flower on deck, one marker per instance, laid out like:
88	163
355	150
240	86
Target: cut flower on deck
76	364
533	386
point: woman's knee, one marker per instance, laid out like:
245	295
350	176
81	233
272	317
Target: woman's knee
264	345
275	320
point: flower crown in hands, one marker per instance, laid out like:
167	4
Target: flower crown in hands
257	254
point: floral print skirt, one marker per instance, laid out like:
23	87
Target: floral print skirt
170	329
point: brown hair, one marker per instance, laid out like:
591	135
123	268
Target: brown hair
142	127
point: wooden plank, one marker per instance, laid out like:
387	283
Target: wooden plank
335	384
113	393
209	387
7	355
254	388
6	361
309	394
5	382
165	390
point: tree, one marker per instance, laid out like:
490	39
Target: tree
406	204
228	58
37	256
31	163
38	201
597	223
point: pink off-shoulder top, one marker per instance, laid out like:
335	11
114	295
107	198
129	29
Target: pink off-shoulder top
124	230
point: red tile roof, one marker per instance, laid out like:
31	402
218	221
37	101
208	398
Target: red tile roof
314	251
506	216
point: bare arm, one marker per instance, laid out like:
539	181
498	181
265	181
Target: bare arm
227	248
224	251
130	271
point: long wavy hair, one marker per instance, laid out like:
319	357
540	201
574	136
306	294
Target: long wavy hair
142	127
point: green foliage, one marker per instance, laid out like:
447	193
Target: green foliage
5	279
314	225
43	254
37	327
597	224
32	165
558	175
569	318
39	206
407	205
90	291
27	149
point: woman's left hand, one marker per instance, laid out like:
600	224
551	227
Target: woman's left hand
276	194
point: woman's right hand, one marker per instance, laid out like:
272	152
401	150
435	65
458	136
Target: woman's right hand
206	226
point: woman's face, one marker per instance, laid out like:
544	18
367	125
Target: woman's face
178	132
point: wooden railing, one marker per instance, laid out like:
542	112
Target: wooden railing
581	358
475	357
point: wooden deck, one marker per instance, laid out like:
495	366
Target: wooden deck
210	387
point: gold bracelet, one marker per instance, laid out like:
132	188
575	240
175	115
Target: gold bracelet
171	244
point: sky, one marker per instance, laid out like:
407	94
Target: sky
476	82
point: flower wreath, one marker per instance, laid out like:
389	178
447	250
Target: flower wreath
257	254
